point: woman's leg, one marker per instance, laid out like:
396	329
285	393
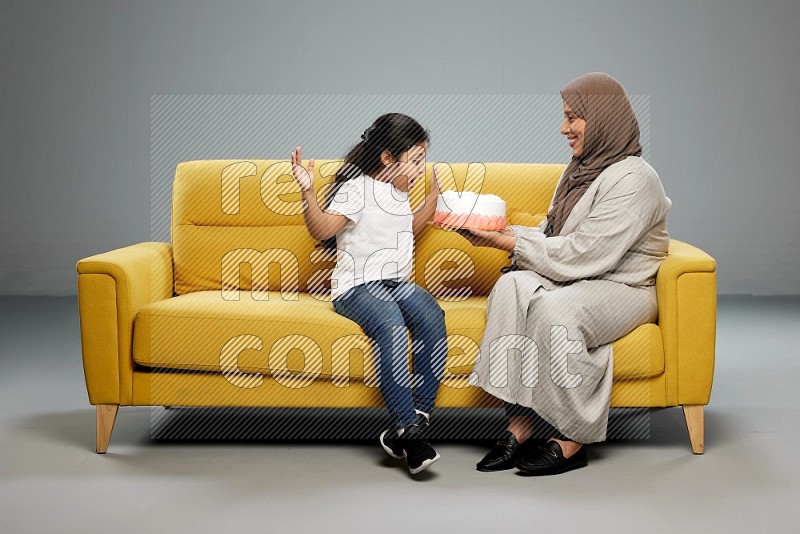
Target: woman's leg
573	327
520	420
373	308
507	449
425	320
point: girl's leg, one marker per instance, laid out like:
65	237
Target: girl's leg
371	306
425	320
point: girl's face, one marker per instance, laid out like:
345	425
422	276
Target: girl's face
408	166
573	127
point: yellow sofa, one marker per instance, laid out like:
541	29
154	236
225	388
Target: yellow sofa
234	311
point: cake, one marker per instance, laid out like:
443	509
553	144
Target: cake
470	210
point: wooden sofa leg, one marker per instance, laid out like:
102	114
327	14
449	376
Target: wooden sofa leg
694	422
106	415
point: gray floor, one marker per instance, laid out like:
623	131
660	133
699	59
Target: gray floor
52	481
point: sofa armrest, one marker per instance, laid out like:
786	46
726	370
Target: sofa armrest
687	315
112	287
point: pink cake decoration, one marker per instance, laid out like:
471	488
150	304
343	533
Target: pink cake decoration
470	210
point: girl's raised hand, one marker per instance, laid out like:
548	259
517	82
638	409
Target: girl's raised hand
303	177
435	187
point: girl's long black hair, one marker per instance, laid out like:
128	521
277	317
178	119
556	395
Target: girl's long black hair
394	132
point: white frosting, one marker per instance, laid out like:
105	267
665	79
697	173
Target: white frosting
468	202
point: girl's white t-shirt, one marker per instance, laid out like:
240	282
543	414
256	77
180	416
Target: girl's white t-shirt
378	241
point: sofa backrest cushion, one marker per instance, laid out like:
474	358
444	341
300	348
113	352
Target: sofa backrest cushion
238	224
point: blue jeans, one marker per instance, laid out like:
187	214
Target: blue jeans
386	310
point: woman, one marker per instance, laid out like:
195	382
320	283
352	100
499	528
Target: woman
583	278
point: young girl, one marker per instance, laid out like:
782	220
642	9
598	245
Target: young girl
367	217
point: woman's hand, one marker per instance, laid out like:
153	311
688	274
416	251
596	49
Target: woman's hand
303	177
503	239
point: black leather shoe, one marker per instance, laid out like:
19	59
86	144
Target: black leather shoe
501	457
548	459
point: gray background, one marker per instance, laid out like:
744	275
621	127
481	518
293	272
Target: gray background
717	77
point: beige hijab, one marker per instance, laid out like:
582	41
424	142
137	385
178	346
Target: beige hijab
611	135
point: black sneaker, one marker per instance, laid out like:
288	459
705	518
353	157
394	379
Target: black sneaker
391	442
418	453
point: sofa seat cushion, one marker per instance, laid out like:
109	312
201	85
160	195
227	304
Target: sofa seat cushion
638	355
307	339
201	331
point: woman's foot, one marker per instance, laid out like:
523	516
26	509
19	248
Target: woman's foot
501	456
512	443
551	459
504	454
568	448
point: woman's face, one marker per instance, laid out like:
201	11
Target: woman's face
573	127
